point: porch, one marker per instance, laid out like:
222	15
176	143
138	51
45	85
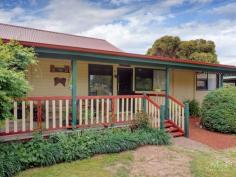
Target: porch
65	113
53	114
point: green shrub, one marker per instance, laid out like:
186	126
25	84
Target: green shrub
194	108
141	120
219	110
64	147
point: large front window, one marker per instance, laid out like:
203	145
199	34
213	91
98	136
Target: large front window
159	80
207	81
143	79
100	79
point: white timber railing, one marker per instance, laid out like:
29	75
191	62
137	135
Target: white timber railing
176	109
52	113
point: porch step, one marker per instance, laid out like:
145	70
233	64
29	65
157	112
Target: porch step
171	128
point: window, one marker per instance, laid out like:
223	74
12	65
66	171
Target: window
207	81
202	81
212	81
143	79
100	79
159	79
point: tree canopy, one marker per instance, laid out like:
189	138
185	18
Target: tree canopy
172	46
14	62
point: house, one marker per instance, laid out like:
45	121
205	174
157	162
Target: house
85	82
230	80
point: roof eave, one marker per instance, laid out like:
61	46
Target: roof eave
111	56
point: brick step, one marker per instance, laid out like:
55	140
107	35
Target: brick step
172	129
177	134
167	125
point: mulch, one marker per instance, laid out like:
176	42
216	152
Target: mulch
212	139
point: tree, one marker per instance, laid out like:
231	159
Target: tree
14	62
172	46
166	46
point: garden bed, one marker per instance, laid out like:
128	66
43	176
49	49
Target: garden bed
213	139
63	147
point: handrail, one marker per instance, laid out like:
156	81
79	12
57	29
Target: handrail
154	103
39	98
169	96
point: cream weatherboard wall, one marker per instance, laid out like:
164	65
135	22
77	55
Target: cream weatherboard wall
182	83
42	80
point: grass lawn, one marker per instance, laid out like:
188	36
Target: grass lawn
195	162
98	166
213	164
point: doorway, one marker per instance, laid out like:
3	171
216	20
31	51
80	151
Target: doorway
125	81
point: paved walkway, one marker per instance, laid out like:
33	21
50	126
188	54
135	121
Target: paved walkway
212	139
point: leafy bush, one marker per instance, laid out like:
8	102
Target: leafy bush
194	108
63	147
219	110
141	120
14	62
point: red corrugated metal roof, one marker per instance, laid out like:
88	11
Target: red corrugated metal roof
54	38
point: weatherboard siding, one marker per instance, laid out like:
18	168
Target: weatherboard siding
182	83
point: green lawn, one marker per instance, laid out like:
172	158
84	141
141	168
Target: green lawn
98	166
202	164
213	164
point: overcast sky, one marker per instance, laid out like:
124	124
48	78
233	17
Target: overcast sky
131	25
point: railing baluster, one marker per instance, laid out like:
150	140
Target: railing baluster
86	111
140	104
179	115
136	105
118	110
15	117
53	114
170	113
67	113
80	111
31	115
60	113
127	109
158	118
47	113
97	111
131	108
91	116
108	108
23	116
122	109
102	113
153	116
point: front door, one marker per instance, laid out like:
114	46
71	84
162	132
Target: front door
124	81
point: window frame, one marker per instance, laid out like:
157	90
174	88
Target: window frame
135	80
89	71
163	70
207	81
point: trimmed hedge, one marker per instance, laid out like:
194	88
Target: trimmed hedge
219	110
74	146
194	108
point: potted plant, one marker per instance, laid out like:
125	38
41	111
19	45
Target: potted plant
157	89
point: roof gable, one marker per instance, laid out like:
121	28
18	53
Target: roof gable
53	38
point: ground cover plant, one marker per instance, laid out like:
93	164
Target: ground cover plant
64	147
218	110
